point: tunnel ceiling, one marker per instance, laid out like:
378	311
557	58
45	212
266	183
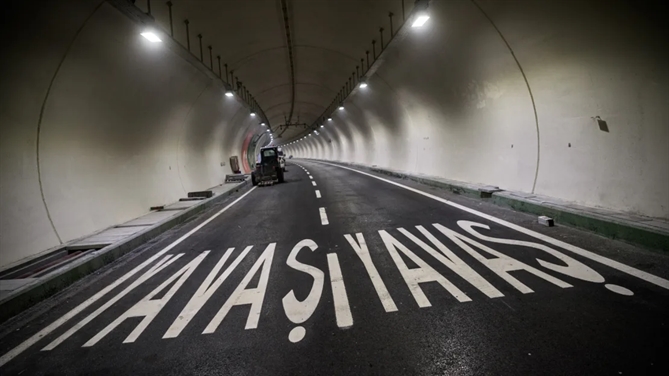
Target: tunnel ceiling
328	39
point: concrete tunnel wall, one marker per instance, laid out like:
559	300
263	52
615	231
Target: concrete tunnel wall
450	100
126	125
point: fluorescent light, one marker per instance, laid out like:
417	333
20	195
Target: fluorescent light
341	106
322	125
229	93
363	84
329	119
263	124
420	20
253	114
153	38
268	130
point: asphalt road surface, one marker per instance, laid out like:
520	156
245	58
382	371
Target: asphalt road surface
342	272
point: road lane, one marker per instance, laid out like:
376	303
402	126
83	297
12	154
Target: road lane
266	288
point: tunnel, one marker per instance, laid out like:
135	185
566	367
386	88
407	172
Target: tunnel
113	110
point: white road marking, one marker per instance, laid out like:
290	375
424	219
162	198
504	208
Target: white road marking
573	269
324	216
501	264
78	309
362	251
313	183
242	295
204	292
299	311
311	177
297	334
422	274
619	289
149	308
658	281
453	262
158	267
339	297
318	194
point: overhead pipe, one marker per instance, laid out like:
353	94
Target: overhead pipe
390	15
169	7
211	59
199	36
187	35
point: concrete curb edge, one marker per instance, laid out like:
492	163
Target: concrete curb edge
52	283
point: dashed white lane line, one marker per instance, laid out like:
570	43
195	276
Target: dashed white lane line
313	183
311	177
318	194
324	217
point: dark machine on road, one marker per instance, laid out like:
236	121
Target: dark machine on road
268	169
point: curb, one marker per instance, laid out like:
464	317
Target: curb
599	224
50	284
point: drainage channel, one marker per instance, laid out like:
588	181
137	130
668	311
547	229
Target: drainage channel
47	263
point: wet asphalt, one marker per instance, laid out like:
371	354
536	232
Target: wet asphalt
458	309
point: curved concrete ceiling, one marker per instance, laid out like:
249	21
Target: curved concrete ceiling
560	99
329	37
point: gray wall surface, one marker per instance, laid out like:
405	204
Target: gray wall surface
97	125
450	100
126	125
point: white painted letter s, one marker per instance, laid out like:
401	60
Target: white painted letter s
299	311
574	268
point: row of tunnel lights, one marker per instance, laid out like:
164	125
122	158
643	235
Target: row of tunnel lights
153	38
419	21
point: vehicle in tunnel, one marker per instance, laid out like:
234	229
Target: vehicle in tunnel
282	159
268	168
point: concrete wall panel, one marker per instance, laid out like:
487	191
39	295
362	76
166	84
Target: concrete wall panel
453	100
127	125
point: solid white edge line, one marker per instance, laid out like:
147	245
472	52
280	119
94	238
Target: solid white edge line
579	251
63	319
324	216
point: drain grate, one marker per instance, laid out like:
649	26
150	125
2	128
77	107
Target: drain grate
42	265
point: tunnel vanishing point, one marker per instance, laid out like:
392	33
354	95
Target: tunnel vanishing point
563	99
455	187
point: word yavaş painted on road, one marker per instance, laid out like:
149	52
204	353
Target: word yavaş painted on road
299	311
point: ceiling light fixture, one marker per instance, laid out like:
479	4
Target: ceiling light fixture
420	20
253	114
363	84
329	119
421	16
229	93
152	37
341	106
